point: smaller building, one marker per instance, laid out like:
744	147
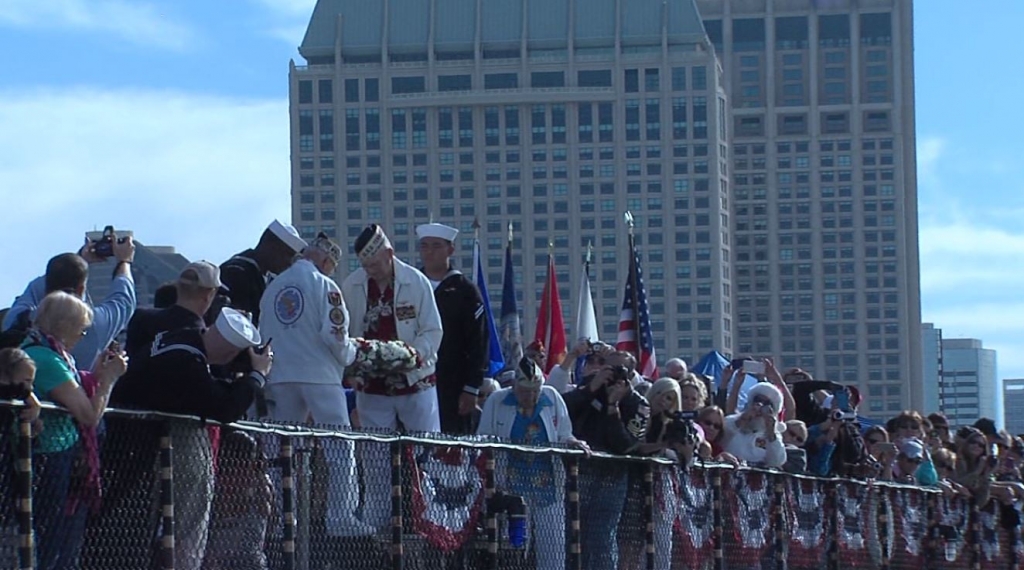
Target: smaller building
1013	405
969	386
153	266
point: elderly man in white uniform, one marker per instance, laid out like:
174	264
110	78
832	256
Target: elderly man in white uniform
391	300
305	315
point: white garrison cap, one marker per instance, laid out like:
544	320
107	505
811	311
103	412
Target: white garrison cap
237	329
288	234
436	230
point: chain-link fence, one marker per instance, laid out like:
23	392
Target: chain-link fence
149	491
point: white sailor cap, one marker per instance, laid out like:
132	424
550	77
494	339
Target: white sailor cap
237	329
288	234
436	230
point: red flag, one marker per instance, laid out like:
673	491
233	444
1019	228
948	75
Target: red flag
550	328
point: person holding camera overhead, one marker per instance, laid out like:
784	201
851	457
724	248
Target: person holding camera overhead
612	417
754	435
69	272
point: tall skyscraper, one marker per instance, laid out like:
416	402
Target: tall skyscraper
1013	405
554	115
970	387
558	115
824	199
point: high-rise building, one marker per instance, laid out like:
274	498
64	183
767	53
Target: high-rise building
824	200
560	115
557	116
970	388
1013	405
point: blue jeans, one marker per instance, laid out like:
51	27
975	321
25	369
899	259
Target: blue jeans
58	535
602	498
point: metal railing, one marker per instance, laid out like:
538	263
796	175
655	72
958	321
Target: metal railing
179	492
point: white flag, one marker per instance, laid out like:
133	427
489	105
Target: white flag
586	318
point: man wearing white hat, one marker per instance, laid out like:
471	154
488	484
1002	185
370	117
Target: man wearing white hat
391	300
462	359
305	315
174	376
246	274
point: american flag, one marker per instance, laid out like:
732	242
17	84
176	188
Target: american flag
636	322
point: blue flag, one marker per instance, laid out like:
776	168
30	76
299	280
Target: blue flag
494	346
511	334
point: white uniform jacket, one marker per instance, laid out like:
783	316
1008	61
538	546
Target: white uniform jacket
416	316
303	313
499	414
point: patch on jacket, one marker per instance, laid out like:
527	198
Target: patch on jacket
337	316
334	298
288	305
405	312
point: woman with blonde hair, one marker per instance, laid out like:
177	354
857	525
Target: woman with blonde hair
60	322
694	394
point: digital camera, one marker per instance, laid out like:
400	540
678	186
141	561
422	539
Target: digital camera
104	247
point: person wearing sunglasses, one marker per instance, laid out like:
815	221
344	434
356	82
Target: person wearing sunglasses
754	435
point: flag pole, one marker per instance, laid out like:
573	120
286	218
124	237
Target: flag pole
635	282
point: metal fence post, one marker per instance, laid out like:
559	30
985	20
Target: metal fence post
491	521
716	531
303	500
26	539
781	537
974	534
648	513
832	500
572	488
287	502
397	550
166	497
883	528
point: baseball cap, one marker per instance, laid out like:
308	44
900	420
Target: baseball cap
202	274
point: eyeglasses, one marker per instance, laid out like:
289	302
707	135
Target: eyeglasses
914	460
762	401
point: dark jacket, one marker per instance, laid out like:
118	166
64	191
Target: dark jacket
174	376
603	432
246	281
147	323
462	359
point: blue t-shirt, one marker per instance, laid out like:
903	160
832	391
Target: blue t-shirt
59	429
531	474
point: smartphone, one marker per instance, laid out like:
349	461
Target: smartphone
753	367
263	348
842	399
993	456
736	363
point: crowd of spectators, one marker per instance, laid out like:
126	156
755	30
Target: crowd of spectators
203	353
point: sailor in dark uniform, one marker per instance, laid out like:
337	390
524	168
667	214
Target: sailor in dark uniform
174	376
462	359
246	274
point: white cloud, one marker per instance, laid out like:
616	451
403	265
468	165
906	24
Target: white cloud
204	174
132	20
930	150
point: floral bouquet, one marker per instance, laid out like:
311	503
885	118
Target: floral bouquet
376	358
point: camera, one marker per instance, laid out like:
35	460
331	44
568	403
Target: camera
104	247
14	392
620	373
843	416
680	428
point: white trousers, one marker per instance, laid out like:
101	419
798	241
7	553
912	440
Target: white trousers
294	402
418	412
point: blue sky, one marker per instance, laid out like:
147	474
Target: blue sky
170	118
